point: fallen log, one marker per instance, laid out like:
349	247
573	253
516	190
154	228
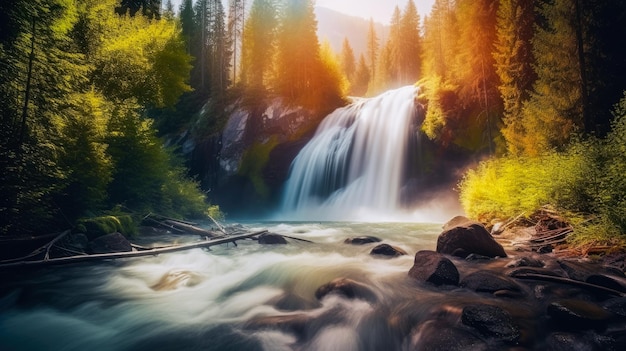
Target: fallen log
130	254
190	229
568	281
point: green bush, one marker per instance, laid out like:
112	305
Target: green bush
587	180
254	160
98	226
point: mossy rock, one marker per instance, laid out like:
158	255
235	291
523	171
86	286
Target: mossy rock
98	226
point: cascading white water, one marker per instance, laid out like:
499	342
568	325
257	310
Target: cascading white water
353	167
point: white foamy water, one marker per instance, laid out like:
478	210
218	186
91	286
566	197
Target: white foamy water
354	167
204	300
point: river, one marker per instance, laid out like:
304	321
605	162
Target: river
204	300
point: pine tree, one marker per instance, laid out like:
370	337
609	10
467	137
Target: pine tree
258	45
372	47
236	21
514	60
409	45
362	77
555	108
348	62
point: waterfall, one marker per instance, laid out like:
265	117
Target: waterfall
355	164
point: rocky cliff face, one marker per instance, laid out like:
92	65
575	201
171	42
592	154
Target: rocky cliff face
248	162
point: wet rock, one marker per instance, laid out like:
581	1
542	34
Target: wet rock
617	261
293	302
575	270
617	306
110	243
491	322
614	283
525	261
572	314
436	335
569	342
545	249
78	241
435	268
387	251
362	240
485	281
347	288
464	237
477	258
520	271
272	239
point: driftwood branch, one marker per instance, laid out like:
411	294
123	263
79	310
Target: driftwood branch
130	254
553	279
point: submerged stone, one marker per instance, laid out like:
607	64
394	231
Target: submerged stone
362	240
272	239
347	288
485	281
434	268
387	251
572	314
110	243
437	335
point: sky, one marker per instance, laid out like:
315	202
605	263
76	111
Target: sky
379	10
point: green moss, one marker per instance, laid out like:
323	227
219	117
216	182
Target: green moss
98	226
254	160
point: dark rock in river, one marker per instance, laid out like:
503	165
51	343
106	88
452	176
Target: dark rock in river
387	251
485	281
614	283
348	288
362	240
114	242
572	314
491	321
272	239
575	270
437	335
569	342
526	261
435	268
462	237
617	306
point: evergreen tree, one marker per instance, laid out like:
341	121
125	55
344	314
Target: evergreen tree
514	65
348	62
555	108
259	41
409	45
149	8
372	47
236	21
362	77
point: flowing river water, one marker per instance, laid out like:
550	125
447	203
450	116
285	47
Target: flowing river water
205	300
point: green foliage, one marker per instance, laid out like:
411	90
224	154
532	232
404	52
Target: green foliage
98	226
254	160
587	178
147	177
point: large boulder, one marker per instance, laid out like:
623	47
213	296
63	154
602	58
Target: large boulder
110	243
435	268
462	237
